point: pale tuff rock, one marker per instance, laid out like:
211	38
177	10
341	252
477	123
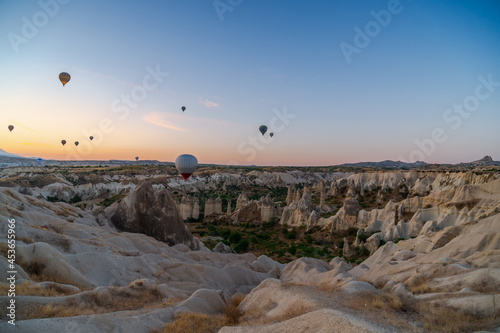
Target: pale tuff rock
228	207
343	221
65	191
221	248
347	250
372	243
446	236
266	264
417	182
186	207
305	203
196	209
402	188
322	198
320	187
351	207
289	195
189	207
253	211
209	207
342	184
88	256
242	201
246	211
453	201
213	207
249	213
143	211
218	206
315	272
453	205
339	265
448	260
301	213
305	270
358	241
278	209
455	252
334	189
297	196
54	263
307	190
267	210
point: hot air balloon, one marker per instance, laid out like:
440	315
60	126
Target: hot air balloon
186	164
63	142
271	134
77	143
11	128
183	108
137	158
263	129
91	138
64	78
39	161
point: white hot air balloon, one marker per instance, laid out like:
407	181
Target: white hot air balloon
186	164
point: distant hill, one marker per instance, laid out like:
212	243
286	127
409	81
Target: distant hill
4	153
8	159
11	160
387	164
485	161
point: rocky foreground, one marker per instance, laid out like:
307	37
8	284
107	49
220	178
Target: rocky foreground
133	265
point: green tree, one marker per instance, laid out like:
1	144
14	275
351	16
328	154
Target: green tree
235	237
242	246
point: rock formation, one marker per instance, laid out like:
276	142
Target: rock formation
351	207
217	206
186	207
435	243
196	209
221	248
278	210
143	211
347	249
209	207
289	195
301	212
267	210
242	201
99	268
297	196
322	198
213	207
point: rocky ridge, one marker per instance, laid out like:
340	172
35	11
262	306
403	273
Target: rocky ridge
441	232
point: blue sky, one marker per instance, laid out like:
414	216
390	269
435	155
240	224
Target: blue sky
233	74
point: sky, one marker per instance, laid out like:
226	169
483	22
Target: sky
335	81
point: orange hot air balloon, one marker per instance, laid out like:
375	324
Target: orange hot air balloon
64	78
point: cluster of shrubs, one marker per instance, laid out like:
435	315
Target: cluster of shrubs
75	199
